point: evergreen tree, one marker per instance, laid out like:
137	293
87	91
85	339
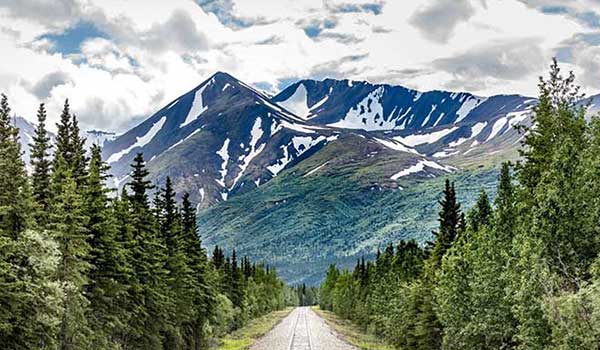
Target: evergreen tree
148	261
481	215
68	225
40	162
109	280
78	156
29	298
218	258
449	218
15	194
204	297
63	137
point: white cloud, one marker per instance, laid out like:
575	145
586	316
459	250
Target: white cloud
154	51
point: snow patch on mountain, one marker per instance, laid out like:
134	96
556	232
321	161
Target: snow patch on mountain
426	120
420	166
396	146
367	114
256	133
184	139
224	154
297	103
301	144
445	153
197	109
315	169
498	125
517	117
140	141
467	106
419	139
475	130
320	103
296	127
98	137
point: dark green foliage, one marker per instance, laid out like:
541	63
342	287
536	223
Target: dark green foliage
15	195
481	214
40	162
63	136
520	275
78	159
450	220
30	299
110	273
96	272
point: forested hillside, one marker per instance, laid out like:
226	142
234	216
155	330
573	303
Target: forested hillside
81	269
518	272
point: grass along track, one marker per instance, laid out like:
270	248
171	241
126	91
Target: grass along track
351	333
246	336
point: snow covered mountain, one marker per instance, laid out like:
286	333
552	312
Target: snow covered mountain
361	105
355	164
224	138
440	124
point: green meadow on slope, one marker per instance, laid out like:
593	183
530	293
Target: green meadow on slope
301	222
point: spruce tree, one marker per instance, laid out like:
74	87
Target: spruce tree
481	215
449	219
15	193
40	162
148	260
30	301
109	276
78	157
68	225
204	297
63	137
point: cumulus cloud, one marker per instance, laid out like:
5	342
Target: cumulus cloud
179	33
43	87
341	68
508	60
438	20
586	12
153	51
53	14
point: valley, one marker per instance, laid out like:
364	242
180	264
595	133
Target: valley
324	171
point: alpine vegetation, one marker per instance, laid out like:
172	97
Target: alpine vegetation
520	271
83	268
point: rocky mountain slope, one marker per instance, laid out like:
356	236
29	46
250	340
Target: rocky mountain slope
324	171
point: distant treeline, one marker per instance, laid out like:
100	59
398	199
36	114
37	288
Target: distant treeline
81	269
522	273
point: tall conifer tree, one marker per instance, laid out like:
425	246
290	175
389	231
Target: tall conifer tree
40	162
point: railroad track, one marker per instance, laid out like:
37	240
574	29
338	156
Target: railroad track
300	339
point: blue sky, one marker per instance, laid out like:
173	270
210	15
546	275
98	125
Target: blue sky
119	61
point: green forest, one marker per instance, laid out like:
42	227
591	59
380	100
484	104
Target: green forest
84	268
522	272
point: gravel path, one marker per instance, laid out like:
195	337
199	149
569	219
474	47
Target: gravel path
302	329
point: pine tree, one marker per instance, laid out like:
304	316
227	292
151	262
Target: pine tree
204	297
218	258
40	162
15	193
169	222
450	219
148	261
30	301
68	225
481	215
109	276
78	156
63	137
